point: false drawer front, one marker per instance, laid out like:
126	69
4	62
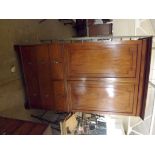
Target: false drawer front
101	97
57	61
102	60
59	96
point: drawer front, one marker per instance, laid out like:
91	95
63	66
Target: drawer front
102	60
98	96
59	96
57	61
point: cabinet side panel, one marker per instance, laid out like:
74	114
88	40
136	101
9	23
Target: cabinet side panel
144	76
29	66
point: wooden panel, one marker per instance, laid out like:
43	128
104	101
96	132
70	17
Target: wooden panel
36	65
98	96
28	56
60	96
102	60
32	85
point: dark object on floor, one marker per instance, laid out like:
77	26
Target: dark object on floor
55	125
10	126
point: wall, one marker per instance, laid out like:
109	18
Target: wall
123	27
21	32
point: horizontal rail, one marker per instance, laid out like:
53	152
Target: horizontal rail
110	37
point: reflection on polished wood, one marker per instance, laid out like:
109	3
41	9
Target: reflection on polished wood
100	96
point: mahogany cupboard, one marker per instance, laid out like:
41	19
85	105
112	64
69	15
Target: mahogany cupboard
95	76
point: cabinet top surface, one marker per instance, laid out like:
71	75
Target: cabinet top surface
102	39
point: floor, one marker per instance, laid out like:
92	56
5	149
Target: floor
19	112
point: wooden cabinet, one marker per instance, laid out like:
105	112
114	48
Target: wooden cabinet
107	77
